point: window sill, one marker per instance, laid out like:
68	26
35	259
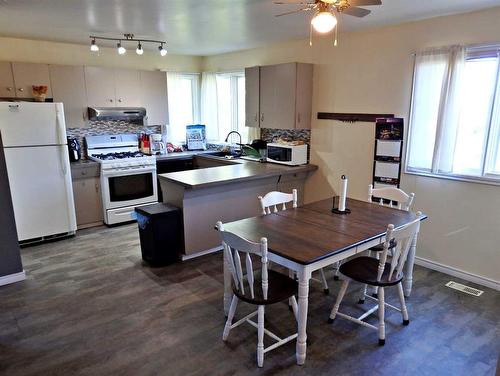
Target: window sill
469	179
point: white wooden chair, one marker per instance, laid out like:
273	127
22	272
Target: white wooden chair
260	289
376	272
387	196
392	197
273	200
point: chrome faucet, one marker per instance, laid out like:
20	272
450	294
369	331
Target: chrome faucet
240	143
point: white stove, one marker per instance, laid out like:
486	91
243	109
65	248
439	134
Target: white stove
128	177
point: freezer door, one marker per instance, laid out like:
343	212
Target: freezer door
42	194
32	124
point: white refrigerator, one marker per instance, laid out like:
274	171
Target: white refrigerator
36	154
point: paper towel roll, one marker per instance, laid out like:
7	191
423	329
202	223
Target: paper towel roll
343	193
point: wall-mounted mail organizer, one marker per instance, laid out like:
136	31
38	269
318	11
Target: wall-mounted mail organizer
388	152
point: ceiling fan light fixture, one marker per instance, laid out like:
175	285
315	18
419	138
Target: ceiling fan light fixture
324	22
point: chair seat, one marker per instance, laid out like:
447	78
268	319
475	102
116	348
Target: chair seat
364	269
281	287
379	248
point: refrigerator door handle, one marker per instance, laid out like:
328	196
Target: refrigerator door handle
63	162
60	123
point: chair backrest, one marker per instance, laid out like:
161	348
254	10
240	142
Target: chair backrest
274	199
393	194
403	238
233	245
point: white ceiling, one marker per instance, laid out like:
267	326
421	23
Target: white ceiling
197	27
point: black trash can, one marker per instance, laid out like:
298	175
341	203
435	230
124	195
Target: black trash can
160	232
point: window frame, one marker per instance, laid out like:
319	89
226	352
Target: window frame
492	142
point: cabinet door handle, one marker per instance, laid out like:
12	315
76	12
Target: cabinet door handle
262	117
111	100
9	89
20	89
256	117
97	187
119	100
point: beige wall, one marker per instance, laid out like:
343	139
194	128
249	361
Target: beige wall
371	71
34	51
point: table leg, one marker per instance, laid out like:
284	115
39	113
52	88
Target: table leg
302	320
410	261
227	285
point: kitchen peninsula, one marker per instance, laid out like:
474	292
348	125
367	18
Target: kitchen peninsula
225	190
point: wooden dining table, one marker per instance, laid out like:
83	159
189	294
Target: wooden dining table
311	237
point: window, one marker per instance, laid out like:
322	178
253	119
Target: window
455	115
223	105
183	103
231	105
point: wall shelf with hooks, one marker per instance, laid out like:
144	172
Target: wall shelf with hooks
352	117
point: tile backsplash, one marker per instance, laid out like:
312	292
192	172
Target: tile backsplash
96	128
271	135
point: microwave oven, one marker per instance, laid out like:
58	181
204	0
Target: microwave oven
292	155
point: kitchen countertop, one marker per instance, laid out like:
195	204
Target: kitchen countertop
237	171
83	163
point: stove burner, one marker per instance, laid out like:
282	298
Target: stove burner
111	156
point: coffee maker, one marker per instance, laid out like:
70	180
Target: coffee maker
74	149
156	144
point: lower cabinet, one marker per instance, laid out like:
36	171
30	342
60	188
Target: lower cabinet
87	196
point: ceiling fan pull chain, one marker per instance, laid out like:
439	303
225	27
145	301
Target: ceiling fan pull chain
310	34
336	35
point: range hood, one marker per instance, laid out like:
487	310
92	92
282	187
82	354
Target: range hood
134	115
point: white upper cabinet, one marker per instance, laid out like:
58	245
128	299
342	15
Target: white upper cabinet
280	94
252	88
127	88
79	87
7	88
100	84
68	87
154	96
28	74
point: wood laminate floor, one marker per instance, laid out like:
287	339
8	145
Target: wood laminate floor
90	307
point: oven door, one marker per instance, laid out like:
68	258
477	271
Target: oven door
129	187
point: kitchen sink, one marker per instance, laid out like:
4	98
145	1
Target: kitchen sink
224	154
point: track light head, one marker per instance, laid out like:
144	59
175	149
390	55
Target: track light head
162	50
121	49
139	50
94	47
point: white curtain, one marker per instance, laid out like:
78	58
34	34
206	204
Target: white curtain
435	110
176	129
209	105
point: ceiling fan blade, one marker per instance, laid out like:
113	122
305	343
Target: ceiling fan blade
356	12
291	12
364	3
292	2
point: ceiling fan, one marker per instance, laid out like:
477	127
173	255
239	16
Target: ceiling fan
327	11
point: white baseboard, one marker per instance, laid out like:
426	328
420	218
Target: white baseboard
474	278
11	278
202	253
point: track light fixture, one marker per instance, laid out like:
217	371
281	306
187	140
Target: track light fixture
128	38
